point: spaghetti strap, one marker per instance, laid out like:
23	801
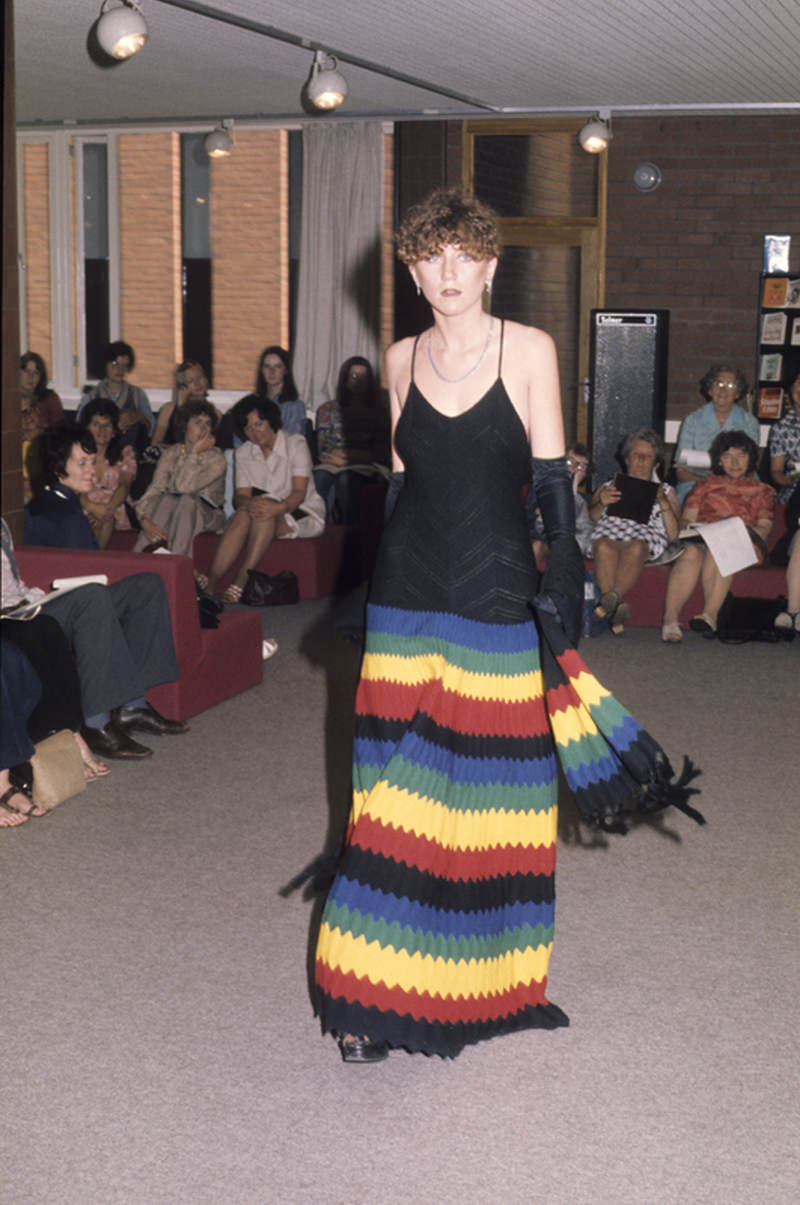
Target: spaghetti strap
500	356
414	359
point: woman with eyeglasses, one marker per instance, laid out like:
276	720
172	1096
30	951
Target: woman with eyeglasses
724	388
136	422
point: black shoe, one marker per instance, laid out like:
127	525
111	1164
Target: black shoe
112	741
363	1050
148	720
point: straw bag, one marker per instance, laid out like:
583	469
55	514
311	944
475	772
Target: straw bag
57	770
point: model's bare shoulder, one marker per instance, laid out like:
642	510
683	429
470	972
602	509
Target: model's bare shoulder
528	339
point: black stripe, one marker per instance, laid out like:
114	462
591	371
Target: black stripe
516	748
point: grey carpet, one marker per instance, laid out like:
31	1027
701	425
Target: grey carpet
159	1046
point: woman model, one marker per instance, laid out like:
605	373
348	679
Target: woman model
732	491
352	440
274	495
114	472
190	385
621	547
724	388
186	494
438	927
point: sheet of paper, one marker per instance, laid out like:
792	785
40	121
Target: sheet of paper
27	610
729	544
694	460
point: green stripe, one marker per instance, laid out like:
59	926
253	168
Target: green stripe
395	936
586	750
504	665
469	797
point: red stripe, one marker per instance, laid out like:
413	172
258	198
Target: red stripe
457	865
422	1006
473	717
562	698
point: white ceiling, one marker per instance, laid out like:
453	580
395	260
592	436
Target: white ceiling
512	56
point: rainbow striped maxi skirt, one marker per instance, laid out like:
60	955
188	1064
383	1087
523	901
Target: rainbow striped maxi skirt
438	927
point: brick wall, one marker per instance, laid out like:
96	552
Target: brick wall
37	250
250	254
694	246
150	254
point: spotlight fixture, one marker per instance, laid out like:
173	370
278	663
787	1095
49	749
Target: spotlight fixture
327	87
121	31
595	135
647	177
219	143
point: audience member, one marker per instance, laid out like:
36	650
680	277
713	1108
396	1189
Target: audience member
789	620
723	388
784	446
190	385
622	546
41	407
274	380
136	422
114	472
732	490
20	691
186	494
578	467
121	637
352	436
274	493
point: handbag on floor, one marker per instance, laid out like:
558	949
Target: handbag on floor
265	591
743	619
57	770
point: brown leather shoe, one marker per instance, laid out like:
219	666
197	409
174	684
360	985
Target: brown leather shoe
112	741
148	720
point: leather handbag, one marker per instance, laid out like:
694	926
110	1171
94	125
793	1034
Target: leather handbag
262	590
57	770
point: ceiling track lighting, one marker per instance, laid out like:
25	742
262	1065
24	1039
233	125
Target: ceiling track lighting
219	143
596	134
327	87
121	31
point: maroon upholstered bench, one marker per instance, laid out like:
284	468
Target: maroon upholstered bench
325	565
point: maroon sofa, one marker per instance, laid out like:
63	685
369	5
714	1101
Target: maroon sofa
213	664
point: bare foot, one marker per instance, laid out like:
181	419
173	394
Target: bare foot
92	768
13	811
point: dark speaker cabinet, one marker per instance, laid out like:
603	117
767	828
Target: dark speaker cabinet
628	381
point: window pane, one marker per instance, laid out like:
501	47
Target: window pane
535	175
195	191
95	250
540	286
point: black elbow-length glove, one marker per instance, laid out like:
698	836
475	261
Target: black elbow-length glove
561	588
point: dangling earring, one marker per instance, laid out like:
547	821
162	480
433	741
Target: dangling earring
419	290
488	296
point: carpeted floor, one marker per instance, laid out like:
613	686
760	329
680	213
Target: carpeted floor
159	1046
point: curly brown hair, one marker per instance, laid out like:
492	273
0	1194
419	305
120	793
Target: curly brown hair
448	215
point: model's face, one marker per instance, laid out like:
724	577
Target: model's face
273	371
79	475
29	376
641	460
259	432
102	429
117	369
198	426
735	463
452	279
723	392
196	382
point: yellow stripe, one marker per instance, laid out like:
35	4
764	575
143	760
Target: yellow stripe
424	973
415	671
589	689
453	829
571	725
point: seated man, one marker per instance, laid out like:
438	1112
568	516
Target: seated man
121	634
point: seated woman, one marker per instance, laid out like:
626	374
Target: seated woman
352	441
136	422
41	407
40	695
114	472
732	490
274	380
274	496
723	388
186	494
784	446
621	547
190	385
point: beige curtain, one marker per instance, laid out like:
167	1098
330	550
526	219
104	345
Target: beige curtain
338	297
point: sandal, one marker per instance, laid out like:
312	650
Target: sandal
233	594
92	769
269	648
671	633
11	817
360	1049
201	581
618	619
607	605
704	624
